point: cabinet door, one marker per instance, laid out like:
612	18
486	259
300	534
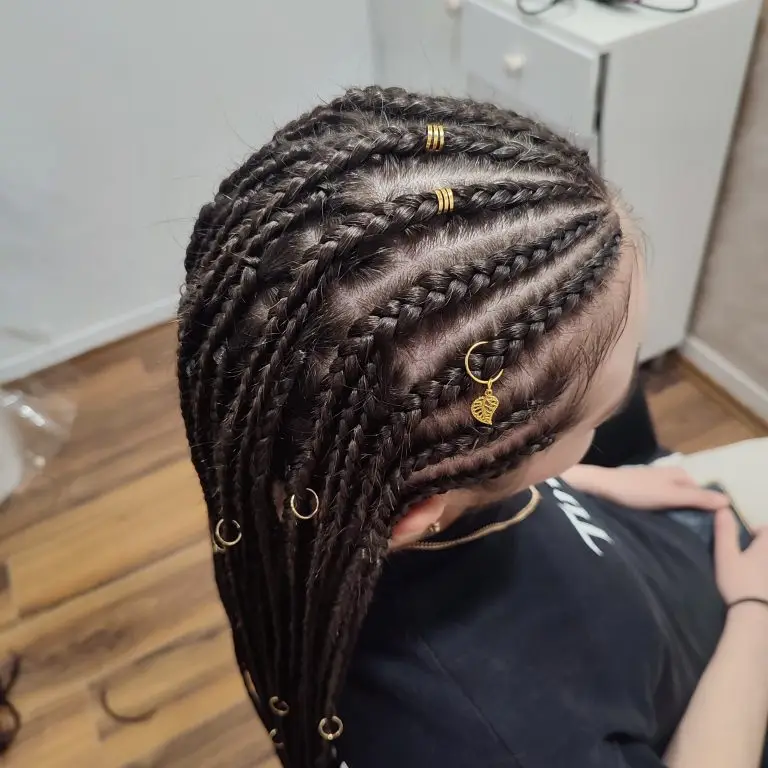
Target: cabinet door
547	78
416	45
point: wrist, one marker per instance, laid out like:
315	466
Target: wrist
750	620
758	607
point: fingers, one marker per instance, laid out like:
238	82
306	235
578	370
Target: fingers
684	496
726	539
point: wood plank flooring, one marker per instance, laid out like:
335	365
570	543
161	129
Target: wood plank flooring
106	586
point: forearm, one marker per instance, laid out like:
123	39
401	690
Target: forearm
726	720
587	478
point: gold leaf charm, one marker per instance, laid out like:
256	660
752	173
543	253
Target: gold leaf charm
484	407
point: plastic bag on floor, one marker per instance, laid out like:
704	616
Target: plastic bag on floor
33	428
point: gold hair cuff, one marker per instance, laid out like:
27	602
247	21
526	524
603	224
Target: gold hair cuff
326	732
316	506
220	540
435	137
444	199
278	706
486	405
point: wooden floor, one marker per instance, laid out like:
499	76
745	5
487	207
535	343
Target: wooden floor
105	574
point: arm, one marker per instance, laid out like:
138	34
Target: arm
645	487
726	721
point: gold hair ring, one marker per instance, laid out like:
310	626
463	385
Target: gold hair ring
249	686
444	199
273	736
435	137
338	728
486	405
220	540
298	514
278	706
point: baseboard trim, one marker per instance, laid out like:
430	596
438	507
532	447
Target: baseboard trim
726	375
87	339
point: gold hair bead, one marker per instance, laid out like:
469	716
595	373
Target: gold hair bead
316	506
330	735
435	137
486	405
219	540
278	706
444	199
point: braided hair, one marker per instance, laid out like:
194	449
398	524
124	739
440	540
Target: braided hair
328	306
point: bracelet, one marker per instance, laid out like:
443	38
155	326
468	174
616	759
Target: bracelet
759	600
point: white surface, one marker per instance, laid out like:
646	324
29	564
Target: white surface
11	457
740	468
670	103
554	79
604	27
42	353
728	376
119	119
416	45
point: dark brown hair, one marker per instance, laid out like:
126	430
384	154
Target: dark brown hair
327	310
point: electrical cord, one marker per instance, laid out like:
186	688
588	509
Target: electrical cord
684	9
535	11
527	10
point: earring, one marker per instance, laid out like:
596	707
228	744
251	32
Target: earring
486	405
434	529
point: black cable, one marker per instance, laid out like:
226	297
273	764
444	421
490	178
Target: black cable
538	9
685	9
535	11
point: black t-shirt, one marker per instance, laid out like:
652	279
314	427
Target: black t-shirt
574	639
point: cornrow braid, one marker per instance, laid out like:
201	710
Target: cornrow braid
523	329
333	287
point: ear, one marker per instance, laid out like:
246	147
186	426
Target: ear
417	520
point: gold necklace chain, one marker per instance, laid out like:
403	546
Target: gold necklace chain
486	530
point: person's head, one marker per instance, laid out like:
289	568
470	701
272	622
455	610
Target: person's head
332	296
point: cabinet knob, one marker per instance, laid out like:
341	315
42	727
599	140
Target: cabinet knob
514	63
452	6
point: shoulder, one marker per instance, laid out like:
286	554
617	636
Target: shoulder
406	709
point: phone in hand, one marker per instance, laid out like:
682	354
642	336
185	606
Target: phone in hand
703	523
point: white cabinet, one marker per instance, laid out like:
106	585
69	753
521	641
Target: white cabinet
530	70
652	95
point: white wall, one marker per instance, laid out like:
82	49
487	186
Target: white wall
118	120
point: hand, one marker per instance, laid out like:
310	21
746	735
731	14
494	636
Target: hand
740	574
645	487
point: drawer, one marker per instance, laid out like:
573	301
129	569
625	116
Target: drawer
551	80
